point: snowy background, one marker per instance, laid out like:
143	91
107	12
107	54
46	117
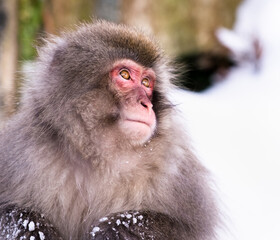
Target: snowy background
235	125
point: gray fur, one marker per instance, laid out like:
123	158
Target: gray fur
63	156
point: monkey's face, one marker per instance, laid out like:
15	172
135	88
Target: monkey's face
134	85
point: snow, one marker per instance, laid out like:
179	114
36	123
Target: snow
16	224
25	222
127	219
95	230
118	222
103	219
235	126
134	220
42	236
31	226
125	224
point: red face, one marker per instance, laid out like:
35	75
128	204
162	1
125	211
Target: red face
134	84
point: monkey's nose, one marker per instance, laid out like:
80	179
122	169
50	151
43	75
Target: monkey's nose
146	103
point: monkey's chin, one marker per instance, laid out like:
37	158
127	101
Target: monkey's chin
137	132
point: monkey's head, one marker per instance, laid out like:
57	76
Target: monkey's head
101	79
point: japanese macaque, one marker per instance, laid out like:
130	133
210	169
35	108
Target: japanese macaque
95	150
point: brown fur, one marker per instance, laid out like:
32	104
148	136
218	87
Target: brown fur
63	156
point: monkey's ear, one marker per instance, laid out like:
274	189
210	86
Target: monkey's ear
57	57
52	49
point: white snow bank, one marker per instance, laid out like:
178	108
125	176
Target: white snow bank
235	128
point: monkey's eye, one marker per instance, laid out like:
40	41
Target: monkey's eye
125	74
146	82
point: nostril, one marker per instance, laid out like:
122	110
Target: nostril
143	104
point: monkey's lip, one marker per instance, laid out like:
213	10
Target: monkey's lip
138	121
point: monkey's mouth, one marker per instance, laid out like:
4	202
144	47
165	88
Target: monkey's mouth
139	121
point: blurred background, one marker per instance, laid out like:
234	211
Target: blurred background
185	29
229	93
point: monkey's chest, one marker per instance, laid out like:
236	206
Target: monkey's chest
123	192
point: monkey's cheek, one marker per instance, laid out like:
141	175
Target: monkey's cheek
137	132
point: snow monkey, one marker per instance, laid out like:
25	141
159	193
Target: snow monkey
95	150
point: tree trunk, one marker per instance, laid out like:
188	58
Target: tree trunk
137	13
60	14
8	55
182	26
